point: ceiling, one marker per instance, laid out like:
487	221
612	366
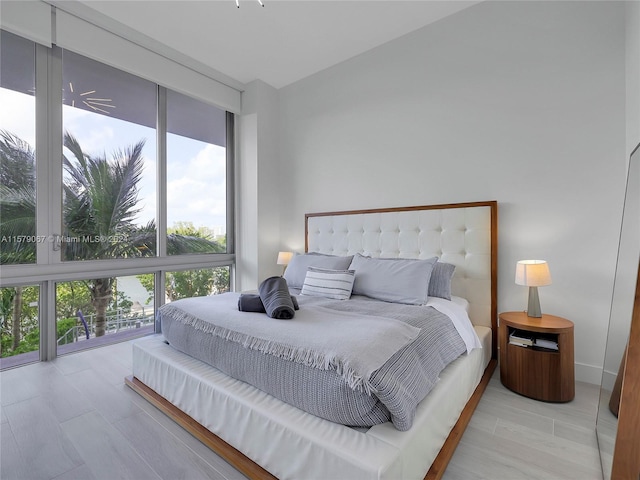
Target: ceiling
280	43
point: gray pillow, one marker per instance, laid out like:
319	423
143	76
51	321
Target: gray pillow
395	280
297	269
440	282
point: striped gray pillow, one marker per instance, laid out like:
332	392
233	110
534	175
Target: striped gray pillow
323	282
297	268
440	281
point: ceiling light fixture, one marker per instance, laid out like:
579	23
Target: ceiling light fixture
91	102
259	1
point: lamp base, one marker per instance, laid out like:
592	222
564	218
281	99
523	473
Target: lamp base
533	309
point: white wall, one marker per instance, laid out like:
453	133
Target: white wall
258	182
521	102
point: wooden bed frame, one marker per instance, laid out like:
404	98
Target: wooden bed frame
254	471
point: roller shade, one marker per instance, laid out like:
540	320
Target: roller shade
87	39
31	20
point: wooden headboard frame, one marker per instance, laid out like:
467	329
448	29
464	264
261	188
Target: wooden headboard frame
464	234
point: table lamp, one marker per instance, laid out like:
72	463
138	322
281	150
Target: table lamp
533	274
283	259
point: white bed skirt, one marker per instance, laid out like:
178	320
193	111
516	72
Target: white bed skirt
292	444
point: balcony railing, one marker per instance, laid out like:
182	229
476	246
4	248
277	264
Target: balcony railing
120	327
115	322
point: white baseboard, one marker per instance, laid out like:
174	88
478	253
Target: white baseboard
589	374
608	380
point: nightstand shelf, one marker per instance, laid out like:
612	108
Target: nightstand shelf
539	372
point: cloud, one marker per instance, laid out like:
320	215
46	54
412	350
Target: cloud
18	114
95	135
196	187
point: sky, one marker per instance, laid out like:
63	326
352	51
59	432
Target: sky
196	171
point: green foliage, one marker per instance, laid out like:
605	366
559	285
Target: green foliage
190	283
5	345
17	200
147	281
121	302
71	297
221	279
29	330
31	341
63	326
187	228
6	303
29	308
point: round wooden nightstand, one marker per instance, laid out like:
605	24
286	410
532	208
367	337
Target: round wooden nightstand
536	356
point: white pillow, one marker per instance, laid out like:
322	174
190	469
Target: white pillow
297	268
322	282
397	280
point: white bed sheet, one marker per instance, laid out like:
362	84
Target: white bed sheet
292	444
460	318
463	302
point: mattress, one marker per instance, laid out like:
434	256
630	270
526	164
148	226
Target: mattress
216	333
293	444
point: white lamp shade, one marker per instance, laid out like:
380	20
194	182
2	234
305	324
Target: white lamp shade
284	258
533	273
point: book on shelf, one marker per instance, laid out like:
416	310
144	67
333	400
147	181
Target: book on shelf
523	339
544	343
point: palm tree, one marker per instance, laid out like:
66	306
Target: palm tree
100	206
17	214
17	199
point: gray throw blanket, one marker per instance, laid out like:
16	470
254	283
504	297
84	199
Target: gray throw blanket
276	298
251	302
349	343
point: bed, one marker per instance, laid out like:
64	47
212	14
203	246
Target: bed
264	437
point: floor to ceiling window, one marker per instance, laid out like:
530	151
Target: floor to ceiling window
196	175
19	327
130	210
17	150
109	162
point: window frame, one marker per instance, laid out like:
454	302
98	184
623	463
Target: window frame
49	267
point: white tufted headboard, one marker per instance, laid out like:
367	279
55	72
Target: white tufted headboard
464	234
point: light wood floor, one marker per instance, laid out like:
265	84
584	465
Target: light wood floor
74	419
